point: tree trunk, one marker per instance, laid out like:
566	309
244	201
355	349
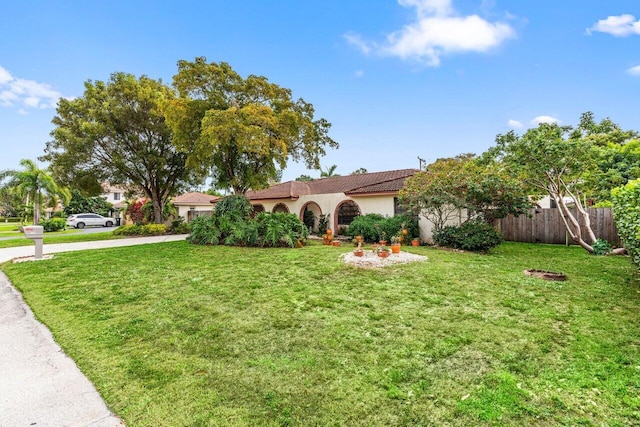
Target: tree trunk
572	224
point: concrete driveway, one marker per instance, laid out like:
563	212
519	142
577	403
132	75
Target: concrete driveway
39	384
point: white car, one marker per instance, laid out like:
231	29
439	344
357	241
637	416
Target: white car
88	219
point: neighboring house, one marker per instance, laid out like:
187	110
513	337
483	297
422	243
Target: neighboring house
190	205
548	203
342	197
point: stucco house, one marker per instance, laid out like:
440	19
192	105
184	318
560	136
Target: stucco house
192	204
343	197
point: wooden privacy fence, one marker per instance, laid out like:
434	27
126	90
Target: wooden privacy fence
546	226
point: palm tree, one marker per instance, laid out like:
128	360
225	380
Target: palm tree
33	184
331	171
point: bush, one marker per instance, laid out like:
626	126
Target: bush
141	230
265	230
53	224
236	207
474	236
626	212
178	226
372	226
601	247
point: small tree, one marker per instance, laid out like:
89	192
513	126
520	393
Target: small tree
448	185
557	160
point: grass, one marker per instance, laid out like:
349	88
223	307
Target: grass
66	236
189	335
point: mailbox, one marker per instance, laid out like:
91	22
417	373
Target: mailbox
33	232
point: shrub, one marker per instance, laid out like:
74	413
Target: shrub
323	224
372	226
236	207
53	224
626	212
601	247
141	230
264	230
136	212
178	226
474	236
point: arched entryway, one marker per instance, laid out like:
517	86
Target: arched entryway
257	208
280	208
345	213
309	215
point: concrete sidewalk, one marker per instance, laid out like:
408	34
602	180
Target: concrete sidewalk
39	384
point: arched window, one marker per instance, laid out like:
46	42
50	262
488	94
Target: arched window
280	207
256	210
347	211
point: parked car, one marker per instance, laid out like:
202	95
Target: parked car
88	219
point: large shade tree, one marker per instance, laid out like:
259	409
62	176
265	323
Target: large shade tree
116	132
242	130
34	186
563	162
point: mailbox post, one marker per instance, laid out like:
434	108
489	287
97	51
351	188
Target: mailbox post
35	233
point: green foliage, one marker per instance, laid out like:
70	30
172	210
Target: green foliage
372	227
484	189
243	130
323	223
473	236
235	207
264	230
81	204
179	226
141	230
54	224
309	219
116	132
626	212
601	247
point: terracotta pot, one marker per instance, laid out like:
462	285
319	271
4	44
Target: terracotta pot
395	248
384	254
336	243
415	242
358	253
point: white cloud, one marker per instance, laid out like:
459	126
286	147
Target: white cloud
618	26
28	93
634	71
514	124
358	74
544	119
437	31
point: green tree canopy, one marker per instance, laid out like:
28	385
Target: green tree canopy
563	162
242	130
116	132
463	182
80	203
34	186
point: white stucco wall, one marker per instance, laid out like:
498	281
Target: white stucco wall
183	211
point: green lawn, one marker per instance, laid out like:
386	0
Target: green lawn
67	236
177	334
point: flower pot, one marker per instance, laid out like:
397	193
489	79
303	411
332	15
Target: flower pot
395	248
358	253
415	242
336	243
383	254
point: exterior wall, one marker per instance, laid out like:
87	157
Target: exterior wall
426	226
183	211
329	202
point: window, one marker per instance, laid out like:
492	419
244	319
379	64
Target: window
116	196
280	207
347	212
398	209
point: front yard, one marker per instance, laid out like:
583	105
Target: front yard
177	334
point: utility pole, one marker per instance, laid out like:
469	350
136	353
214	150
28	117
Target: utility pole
422	162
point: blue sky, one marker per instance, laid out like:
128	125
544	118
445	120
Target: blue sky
397	79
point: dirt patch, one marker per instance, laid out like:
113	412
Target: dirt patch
372	260
546	275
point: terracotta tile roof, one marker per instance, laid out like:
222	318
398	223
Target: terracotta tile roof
358	184
195	198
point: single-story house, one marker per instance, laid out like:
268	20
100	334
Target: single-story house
341	197
190	205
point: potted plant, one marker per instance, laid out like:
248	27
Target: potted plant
335	242
415	241
383	252
395	244
358	251
326	239
383	238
